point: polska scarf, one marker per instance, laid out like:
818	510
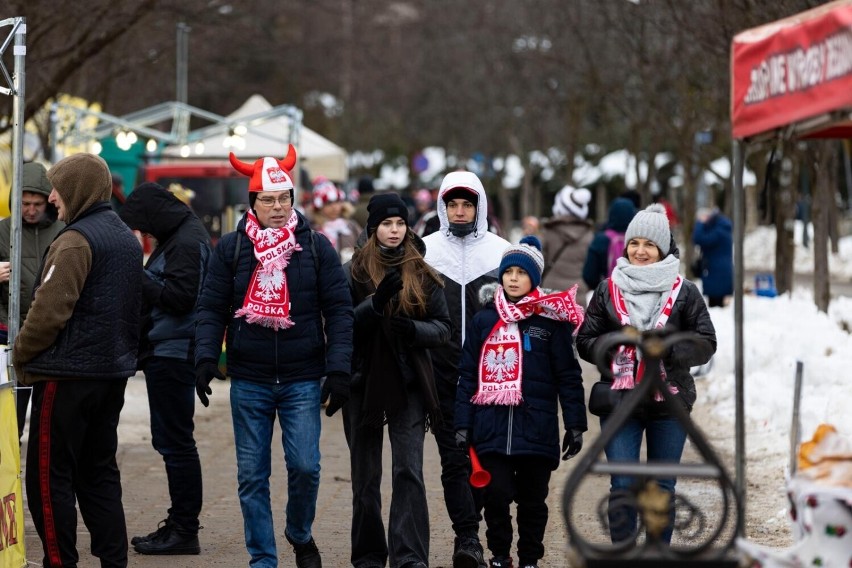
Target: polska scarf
501	357
624	361
267	301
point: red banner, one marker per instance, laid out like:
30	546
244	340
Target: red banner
792	70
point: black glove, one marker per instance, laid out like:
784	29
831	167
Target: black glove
387	289
572	443
461	438
404	327
336	386
204	373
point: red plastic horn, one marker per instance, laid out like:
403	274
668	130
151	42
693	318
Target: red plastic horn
479	478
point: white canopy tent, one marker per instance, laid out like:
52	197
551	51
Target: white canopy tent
267	137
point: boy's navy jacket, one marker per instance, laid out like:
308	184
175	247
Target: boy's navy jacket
320	342
550	372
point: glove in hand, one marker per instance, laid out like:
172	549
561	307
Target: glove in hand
572	443
404	327
335	390
204	373
461	438
390	285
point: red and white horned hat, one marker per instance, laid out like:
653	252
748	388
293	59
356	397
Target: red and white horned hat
268	174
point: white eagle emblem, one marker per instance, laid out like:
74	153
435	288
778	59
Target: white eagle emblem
269	285
499	361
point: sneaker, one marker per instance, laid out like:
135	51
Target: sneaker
500	562
307	555
169	540
468	553
161	527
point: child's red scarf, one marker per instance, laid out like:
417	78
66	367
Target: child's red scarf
624	361
267	301
501	357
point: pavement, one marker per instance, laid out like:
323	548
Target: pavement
145	496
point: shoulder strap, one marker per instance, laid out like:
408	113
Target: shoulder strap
555	258
236	254
314	253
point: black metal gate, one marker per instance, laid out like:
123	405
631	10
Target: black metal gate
706	537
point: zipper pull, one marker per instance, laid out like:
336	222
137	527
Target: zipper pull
527	345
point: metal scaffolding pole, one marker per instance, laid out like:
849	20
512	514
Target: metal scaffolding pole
16	90
739	363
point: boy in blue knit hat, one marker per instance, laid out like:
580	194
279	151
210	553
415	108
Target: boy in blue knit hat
518	361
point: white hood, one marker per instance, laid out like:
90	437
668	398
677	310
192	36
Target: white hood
464	259
471	182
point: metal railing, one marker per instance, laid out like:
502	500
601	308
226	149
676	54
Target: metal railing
705	535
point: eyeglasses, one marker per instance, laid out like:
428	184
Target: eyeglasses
268	201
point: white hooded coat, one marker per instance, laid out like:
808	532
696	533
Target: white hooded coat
466	263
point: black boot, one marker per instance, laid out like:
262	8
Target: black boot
307	555
169	539
163	526
468	553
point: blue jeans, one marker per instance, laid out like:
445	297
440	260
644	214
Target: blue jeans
665	438
253	409
171	398
408	525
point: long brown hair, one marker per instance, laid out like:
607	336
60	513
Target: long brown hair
369	264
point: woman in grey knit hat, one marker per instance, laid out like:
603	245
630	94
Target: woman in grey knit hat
647	292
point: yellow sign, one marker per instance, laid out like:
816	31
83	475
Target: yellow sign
12	554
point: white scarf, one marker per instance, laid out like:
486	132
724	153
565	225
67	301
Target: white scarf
638	294
501	356
267	301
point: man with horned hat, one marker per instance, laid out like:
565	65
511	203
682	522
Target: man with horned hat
278	290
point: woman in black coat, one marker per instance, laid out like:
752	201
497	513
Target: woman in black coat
400	312
647	292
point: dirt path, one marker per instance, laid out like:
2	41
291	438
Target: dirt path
222	541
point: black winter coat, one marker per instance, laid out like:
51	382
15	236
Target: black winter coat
688	314
174	271
550	372
319	343
410	354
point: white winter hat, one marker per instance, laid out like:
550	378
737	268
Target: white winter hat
572	201
651	224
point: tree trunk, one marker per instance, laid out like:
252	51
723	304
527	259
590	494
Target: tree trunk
822	204
783	198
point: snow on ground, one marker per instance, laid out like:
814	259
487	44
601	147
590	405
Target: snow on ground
759	253
777	332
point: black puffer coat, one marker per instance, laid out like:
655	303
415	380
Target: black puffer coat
688	314
320	342
550	373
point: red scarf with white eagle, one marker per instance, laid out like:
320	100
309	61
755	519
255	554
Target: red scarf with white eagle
501	357
624	361
267	301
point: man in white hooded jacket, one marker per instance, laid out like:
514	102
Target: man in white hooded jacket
467	256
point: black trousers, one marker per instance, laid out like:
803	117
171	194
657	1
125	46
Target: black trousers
71	456
171	398
463	502
524	480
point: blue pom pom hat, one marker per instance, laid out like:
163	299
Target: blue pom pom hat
527	255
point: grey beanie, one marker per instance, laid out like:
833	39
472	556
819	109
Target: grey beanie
651	224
